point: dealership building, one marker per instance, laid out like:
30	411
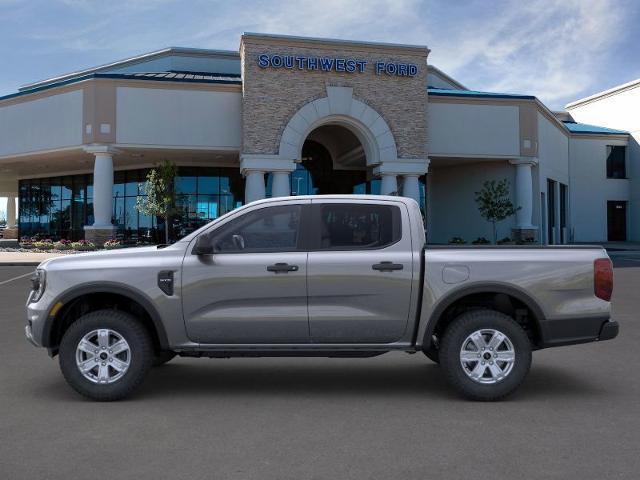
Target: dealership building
295	116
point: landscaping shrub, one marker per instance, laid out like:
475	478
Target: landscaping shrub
83	245
481	241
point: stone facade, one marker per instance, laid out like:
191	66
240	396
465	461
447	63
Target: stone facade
272	96
98	235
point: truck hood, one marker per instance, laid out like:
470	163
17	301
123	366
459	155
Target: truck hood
119	254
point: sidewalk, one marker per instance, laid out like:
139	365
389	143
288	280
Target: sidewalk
24	258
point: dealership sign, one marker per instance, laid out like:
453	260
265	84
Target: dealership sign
335	64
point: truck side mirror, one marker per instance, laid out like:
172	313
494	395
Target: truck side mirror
203	246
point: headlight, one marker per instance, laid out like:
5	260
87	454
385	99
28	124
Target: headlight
38	284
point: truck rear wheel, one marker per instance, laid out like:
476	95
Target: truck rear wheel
105	355
485	355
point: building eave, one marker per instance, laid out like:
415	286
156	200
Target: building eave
116	76
603	94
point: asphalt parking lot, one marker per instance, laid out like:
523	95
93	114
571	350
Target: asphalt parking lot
576	417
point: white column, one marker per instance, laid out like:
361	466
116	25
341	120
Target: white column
254	186
411	187
11	212
524	192
280	185
389	184
103	190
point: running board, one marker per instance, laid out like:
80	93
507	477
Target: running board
282	353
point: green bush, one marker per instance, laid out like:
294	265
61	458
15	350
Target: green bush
83	245
505	240
458	241
481	241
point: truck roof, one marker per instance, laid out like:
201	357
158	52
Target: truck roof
346	197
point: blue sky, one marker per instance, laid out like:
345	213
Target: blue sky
558	50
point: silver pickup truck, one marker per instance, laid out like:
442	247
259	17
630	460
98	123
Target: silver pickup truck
332	276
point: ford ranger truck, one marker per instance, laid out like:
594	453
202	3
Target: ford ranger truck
329	276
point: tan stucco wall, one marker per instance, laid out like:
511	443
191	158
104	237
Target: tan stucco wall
272	96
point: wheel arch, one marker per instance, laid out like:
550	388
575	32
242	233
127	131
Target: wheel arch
457	296
56	318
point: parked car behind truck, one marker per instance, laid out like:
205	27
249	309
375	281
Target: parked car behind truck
332	276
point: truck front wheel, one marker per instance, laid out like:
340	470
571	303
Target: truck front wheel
105	355
485	354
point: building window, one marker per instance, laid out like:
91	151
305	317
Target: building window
56	208
60	207
616	161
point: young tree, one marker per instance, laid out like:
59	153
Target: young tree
494	203
160	193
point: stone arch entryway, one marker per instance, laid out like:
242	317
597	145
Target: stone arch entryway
337	114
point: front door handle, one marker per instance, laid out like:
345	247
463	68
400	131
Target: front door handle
282	268
387	266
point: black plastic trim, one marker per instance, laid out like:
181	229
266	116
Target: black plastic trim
105	287
609	330
572	331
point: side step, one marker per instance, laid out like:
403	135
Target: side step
282	353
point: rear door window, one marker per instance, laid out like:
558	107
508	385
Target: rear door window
349	226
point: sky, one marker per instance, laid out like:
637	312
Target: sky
558	50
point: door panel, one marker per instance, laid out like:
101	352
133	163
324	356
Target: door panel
233	298
248	291
350	301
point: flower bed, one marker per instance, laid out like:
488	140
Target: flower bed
47	245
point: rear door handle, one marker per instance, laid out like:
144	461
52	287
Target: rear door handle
387	266
282	267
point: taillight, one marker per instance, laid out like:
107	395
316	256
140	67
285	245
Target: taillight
603	278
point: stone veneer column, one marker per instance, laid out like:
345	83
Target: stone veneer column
102	228
525	230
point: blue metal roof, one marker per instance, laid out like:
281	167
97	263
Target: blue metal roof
187	77
575	127
445	92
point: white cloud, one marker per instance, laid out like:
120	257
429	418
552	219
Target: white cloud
553	49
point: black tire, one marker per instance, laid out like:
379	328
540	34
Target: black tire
454	339
141	354
163	357
433	354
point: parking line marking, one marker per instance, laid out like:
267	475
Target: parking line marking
16	278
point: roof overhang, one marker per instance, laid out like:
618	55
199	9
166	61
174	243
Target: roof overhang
605	93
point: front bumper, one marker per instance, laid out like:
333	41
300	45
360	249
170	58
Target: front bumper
29	335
